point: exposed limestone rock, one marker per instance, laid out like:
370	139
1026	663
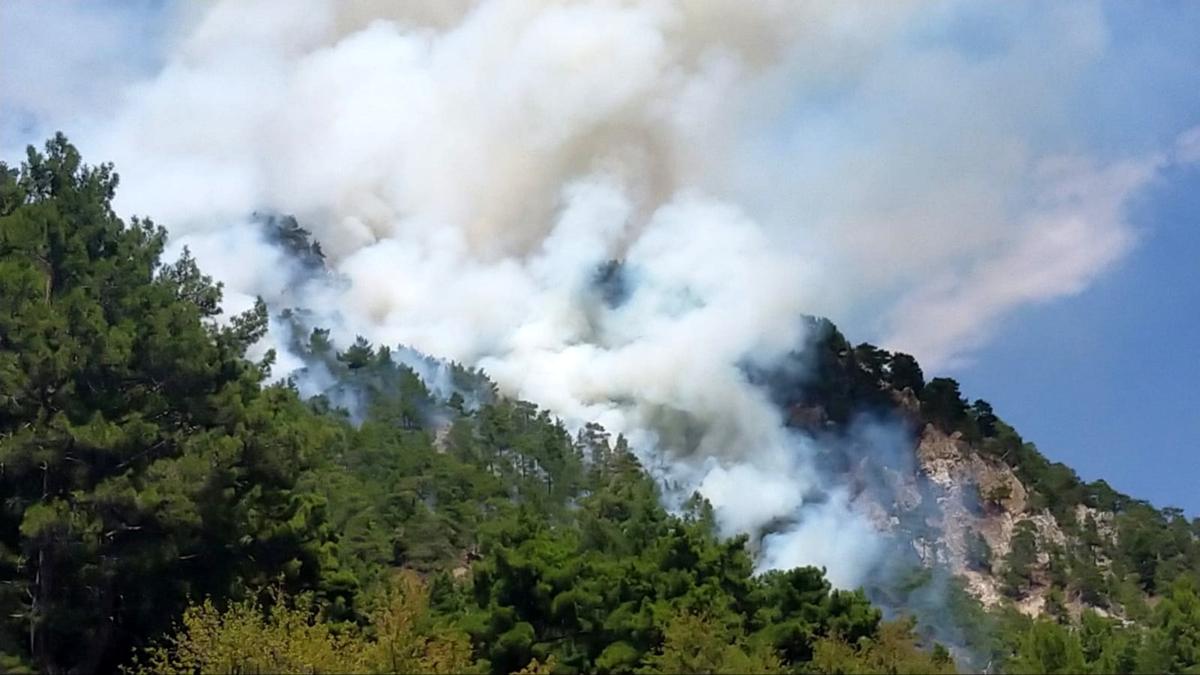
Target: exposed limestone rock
973	495
953	494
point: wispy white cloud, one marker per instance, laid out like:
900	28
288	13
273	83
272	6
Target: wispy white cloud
1075	232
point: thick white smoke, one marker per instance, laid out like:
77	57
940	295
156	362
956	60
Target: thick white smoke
468	166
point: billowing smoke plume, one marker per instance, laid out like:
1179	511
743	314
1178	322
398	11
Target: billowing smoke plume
471	169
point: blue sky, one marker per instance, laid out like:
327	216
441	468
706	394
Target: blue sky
1107	381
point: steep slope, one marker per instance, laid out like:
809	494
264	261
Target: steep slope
959	492
381	502
974	497
150	473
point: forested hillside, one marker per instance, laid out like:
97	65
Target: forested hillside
1071	576
167	508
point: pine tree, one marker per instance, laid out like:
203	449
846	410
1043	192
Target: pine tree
139	458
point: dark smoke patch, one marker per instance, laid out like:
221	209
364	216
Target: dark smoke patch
612	282
678	430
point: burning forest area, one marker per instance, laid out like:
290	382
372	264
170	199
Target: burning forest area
499	336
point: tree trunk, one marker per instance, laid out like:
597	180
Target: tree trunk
98	645
41	591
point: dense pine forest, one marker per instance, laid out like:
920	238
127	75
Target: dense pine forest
169	506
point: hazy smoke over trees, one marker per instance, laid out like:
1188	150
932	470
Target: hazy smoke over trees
469	167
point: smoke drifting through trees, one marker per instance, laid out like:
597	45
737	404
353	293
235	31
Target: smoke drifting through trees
469	168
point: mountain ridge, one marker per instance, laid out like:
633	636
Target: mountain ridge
971	486
167	506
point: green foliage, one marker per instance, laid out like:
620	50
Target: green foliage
943	405
1168	643
1048	647
985	418
997	494
141	458
1087	580
1018	564
288	635
1127	565
893	650
1173	642
693	643
633	587
153	482
979	553
904	373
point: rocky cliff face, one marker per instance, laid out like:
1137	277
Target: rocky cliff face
961	510
961	492
979	498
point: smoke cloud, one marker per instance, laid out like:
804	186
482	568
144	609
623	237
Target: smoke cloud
468	167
